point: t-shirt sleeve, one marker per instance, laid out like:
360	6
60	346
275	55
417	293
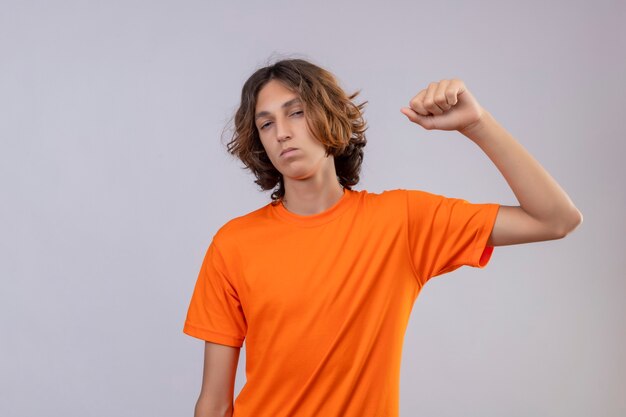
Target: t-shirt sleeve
446	233
215	312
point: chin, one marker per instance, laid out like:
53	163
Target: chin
297	174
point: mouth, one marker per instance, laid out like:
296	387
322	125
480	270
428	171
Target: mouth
284	151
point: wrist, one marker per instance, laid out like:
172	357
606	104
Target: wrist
475	129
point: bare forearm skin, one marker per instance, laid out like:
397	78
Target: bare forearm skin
538	193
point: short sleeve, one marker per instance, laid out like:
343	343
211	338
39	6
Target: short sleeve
446	233
215	312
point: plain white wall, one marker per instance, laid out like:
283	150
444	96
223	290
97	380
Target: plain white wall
114	179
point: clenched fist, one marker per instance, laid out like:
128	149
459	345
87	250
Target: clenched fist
445	105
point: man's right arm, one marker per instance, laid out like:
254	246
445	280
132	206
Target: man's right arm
218	381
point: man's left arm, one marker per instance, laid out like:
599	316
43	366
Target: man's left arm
545	211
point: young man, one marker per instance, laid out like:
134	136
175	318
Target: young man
321	281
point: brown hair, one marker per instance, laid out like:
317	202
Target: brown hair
331	116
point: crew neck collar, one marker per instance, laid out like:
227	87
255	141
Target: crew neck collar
315	219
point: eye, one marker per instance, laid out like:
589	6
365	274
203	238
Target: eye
264	125
299	112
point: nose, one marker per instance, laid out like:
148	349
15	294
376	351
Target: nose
283	132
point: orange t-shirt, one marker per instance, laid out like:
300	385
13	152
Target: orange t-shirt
323	301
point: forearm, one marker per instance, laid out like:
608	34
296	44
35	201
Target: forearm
538	193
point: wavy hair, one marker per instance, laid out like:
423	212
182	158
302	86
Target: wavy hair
330	113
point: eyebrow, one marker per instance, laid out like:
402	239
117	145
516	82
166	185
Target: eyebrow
285	105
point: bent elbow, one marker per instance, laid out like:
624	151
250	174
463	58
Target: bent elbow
576	219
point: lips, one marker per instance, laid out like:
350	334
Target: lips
287	150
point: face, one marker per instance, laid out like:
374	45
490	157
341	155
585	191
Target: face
281	123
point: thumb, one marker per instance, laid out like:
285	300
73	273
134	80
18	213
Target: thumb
413	116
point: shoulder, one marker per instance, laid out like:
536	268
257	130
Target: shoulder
391	202
391	196
377	195
396	200
236	229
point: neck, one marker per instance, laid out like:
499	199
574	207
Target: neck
311	196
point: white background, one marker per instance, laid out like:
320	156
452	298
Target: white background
114	178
